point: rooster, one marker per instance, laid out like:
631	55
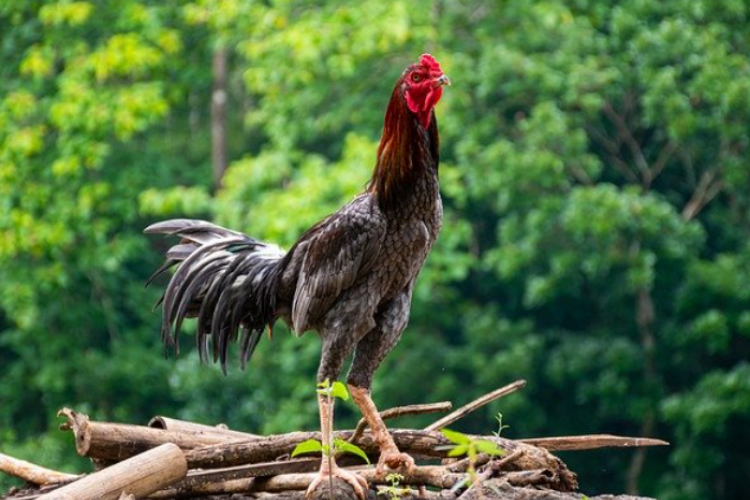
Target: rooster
349	277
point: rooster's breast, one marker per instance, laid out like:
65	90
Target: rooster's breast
405	249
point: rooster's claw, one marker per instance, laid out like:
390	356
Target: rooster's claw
356	481
394	461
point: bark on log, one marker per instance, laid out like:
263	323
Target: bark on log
415	442
208	482
110	441
504	494
199	430
139	476
494	489
32	473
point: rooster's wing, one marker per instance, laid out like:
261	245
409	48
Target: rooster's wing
337	251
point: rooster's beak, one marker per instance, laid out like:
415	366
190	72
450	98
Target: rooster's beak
443	80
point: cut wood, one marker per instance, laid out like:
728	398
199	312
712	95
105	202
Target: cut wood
496	490
139	476
415	442
32	473
245	466
201	481
200	430
506	492
111	441
475	405
591	442
422	476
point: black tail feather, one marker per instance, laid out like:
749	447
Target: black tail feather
225	279
162	268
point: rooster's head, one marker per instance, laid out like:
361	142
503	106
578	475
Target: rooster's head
422	84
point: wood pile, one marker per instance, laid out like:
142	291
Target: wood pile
174	459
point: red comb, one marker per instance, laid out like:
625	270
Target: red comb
429	62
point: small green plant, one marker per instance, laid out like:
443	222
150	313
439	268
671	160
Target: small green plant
339	446
394	490
500	426
331	391
464	445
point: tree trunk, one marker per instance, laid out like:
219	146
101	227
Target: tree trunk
645	317
219	98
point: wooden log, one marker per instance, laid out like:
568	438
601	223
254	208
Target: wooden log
209	482
138	476
203	481
199	430
591	442
416	442
506	493
32	473
501	489
115	442
497	491
526	485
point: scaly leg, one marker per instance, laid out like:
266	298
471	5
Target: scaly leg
390	456
328	467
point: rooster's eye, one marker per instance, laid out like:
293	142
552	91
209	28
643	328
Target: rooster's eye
416	77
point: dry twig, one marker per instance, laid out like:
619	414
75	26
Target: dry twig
401	411
476	404
32	473
591	442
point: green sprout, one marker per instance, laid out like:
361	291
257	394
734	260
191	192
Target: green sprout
471	448
500	426
394	490
335	390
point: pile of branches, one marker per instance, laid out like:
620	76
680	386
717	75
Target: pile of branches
174	459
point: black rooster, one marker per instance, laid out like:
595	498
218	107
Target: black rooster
350	277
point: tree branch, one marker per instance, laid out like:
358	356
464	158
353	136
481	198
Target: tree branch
627	137
592	442
476	404
709	186
661	161
32	473
401	411
613	154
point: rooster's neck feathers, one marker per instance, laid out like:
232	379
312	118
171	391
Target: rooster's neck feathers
407	155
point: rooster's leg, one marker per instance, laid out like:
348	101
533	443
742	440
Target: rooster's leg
390	456
328	467
370	352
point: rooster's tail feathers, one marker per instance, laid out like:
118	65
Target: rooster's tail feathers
225	279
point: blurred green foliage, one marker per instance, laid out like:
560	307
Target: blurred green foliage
595	175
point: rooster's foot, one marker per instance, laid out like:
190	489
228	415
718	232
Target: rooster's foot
356	481
394	461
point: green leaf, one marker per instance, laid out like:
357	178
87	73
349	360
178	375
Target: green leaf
459	450
338	390
488	447
309	446
394	478
347	447
455	437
